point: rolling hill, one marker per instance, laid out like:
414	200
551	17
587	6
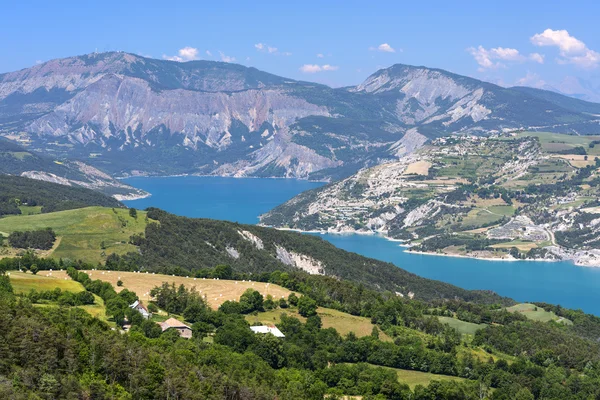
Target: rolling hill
17	160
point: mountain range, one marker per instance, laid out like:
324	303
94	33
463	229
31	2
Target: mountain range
131	115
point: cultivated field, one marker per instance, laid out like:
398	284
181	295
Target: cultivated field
537	313
23	282
88	233
215	291
466	328
414	378
341	322
418	168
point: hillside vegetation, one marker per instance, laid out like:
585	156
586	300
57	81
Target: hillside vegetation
409	353
160	242
509	196
89	234
37	196
20	160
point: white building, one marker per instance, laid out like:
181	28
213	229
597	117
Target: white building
273	330
141	308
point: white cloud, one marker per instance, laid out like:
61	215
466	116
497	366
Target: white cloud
565	42
320	55
265	48
384	47
494	57
531	79
537	57
571	49
208	53
225	58
313	68
184	54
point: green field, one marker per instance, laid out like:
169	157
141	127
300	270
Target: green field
30	210
537	313
24	282
341	322
414	378
83	232
466	328
553	142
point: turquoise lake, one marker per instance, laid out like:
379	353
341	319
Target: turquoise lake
244	199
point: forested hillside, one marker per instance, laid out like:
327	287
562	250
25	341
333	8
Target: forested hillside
73	355
183	245
16	159
17	192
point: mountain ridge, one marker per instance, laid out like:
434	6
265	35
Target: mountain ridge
133	115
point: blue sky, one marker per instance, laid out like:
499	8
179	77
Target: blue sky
333	42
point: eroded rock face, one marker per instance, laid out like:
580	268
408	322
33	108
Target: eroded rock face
304	262
204	117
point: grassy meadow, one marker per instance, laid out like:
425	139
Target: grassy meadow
88	233
535	313
23	282
342	322
466	328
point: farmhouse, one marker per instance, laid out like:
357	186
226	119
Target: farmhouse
273	330
184	330
141	308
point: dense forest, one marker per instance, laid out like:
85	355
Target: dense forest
16	191
180	245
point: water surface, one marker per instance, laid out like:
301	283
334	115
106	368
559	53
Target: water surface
243	199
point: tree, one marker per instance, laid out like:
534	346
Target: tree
201	329
283	303
293	299
223	272
269	304
235	334
307	306
34	269
150	329
133	213
270	349
115	309
194	312
119	283
251	300
85	298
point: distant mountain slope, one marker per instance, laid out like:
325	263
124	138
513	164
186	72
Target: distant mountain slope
18	160
566	102
507	196
16	191
134	115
